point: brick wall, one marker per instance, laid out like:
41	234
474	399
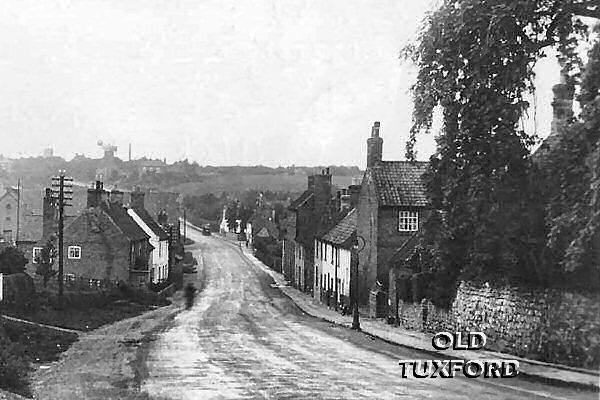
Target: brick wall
367	229
548	325
104	249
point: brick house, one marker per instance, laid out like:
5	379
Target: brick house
313	211
334	255
392	206
104	243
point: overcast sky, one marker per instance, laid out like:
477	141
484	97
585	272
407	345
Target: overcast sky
221	82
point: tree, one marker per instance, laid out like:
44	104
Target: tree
12	261
572	187
475	61
45	261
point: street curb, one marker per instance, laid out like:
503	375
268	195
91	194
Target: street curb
40	325
524	375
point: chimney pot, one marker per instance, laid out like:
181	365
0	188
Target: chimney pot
374	146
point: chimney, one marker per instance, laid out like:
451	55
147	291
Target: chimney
137	198
562	105
374	146
48	215
311	183
96	195
116	196
354	193
322	192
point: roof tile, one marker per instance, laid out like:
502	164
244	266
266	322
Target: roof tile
399	183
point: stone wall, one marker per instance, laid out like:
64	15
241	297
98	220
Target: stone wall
547	325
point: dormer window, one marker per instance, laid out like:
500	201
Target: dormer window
408	221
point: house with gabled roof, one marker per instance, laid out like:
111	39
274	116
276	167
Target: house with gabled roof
159	240
313	212
334	254
105	244
392	206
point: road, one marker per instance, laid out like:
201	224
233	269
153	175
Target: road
244	339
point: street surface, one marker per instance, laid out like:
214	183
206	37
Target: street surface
244	339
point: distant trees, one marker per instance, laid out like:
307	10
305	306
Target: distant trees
475	63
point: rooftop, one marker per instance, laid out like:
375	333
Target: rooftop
399	183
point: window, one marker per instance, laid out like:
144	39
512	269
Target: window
36	253
8	218
408	221
8	206
74	252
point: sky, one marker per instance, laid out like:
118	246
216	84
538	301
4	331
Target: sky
220	82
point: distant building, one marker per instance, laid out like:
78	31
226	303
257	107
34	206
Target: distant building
48	152
224	224
392	206
151	166
288	250
8	215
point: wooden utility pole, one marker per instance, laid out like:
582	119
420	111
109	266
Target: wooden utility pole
64	194
18	211
184	226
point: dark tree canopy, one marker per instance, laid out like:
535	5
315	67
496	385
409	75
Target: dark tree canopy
12	260
475	61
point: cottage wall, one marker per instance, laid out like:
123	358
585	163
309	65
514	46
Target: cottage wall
288	249
105	252
367	217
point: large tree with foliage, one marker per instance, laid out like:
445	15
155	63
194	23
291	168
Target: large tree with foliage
572	190
475	61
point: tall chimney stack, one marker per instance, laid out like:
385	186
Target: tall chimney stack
96	195
374	146
49	220
137	198
562	104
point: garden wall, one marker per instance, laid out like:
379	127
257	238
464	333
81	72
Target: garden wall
547	325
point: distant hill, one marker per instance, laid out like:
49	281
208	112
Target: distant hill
182	176
237	183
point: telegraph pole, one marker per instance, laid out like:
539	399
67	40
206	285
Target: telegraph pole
18	210
184	226
64	194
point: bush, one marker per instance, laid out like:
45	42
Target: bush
14	366
12	261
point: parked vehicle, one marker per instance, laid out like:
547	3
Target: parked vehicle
206	230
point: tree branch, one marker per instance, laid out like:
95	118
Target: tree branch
585	9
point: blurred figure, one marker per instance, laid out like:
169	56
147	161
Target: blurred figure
190	293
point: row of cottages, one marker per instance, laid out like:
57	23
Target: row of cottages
334	255
314	214
390	208
109	242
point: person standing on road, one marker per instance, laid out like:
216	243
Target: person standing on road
190	292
